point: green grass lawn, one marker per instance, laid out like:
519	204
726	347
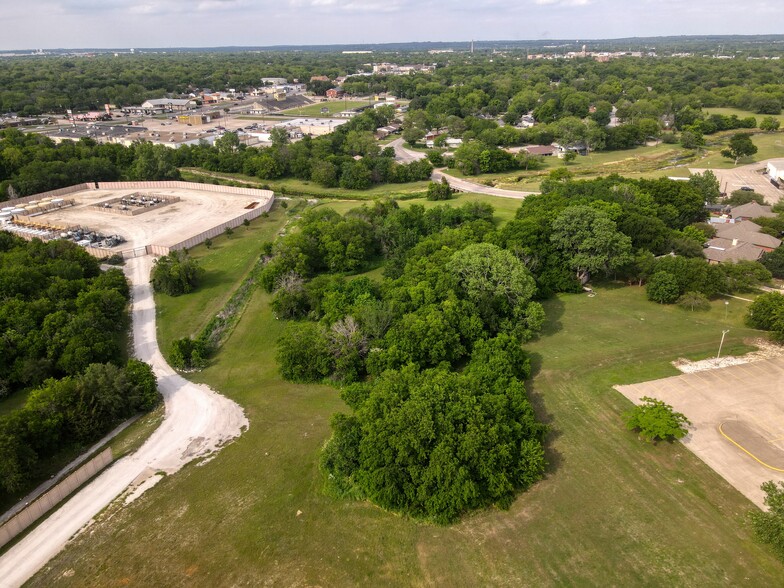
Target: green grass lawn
611	511
769	146
646	161
742	114
225	265
334	107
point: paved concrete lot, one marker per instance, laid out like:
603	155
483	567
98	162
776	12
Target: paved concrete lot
746	175
197	211
749	398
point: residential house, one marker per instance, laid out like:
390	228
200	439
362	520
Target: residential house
752	210
748	232
723	250
543	150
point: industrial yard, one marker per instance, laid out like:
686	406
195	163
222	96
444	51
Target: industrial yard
128	216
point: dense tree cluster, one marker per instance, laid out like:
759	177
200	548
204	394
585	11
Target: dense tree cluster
450	298
59	313
767	313
63	325
349	158
31	163
71	411
176	273
436	443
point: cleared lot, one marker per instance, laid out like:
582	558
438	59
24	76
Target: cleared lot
737	416
196	211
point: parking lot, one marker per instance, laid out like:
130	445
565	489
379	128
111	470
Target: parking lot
737	416
746	175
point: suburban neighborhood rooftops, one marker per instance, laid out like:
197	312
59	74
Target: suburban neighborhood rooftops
749	232
724	250
753	210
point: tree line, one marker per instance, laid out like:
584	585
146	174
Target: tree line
64	327
349	157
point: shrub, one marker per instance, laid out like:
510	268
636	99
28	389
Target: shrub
694	301
769	526
187	353
176	274
662	288
654	420
304	353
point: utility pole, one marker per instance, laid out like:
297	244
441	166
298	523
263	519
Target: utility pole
723	333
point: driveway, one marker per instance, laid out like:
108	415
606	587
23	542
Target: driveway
198	422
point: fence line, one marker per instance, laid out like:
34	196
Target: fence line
185	186
267	198
50	194
36	509
219	229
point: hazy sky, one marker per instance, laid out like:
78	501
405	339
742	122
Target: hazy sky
208	23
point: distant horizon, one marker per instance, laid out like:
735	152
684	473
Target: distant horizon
464	43
108	24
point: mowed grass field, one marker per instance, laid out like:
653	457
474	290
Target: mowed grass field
611	511
333	107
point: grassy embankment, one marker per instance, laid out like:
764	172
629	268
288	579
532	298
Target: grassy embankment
611	510
297	187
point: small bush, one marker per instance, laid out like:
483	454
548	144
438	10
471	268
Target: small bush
654	420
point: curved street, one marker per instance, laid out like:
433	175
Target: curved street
198	421
404	155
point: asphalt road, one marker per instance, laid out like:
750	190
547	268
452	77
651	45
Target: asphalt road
404	155
198	421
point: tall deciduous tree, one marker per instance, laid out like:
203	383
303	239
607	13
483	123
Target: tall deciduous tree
740	146
590	241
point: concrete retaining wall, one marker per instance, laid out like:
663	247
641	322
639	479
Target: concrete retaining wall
53	497
219	230
260	194
50	194
266	199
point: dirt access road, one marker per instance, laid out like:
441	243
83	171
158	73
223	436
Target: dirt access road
404	155
198	422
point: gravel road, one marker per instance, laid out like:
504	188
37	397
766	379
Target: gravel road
198	421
